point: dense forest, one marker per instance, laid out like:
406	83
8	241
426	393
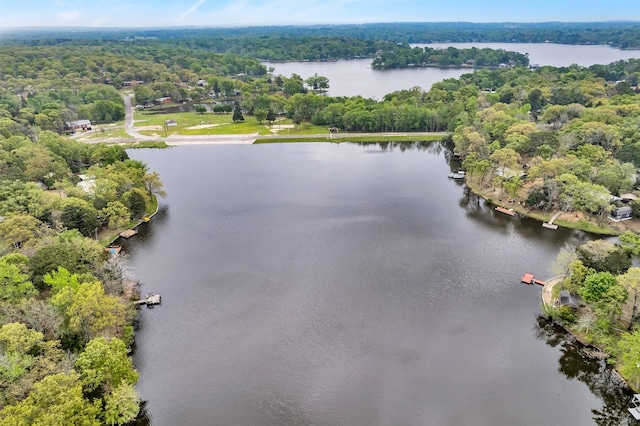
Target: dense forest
405	56
65	308
65	313
618	34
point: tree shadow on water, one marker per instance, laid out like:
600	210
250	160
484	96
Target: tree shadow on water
601	379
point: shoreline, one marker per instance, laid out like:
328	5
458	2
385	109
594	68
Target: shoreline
251	139
579	224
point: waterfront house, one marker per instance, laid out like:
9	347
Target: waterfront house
622	213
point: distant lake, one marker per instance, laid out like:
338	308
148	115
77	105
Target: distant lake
355	77
557	55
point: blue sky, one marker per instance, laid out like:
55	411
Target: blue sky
216	13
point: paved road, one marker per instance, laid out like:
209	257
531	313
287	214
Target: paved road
245	139
128	120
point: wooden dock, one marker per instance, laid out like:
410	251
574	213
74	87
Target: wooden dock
128	233
550	225
509	212
528	278
150	300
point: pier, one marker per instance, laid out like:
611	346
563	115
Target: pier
550	225
509	212
528	278
128	233
150	300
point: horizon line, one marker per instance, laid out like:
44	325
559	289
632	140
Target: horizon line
75	27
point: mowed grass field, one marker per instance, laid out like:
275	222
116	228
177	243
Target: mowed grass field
192	123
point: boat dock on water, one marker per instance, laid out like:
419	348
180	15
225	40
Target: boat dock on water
150	300
550	225
508	212
457	175
529	278
128	233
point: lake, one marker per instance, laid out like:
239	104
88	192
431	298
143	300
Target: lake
355	77
351	284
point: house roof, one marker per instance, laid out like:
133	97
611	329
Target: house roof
624	209
78	123
568	299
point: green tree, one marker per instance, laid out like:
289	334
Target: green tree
60	279
121	405
136	201
56	400
14	283
26	359
536	102
105	365
610	304
89	312
630	241
79	214
260	114
596	285
116	214
629	347
153	185
200	109
19	229
237	113
577	275
293	85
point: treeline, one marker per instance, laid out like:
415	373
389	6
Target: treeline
65	308
404	56
618	34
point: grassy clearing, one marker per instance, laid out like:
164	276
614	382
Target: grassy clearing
220	124
106	132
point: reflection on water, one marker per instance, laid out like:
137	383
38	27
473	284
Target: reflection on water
601	379
435	148
320	284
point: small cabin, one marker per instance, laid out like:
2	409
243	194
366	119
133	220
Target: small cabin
622	213
568	299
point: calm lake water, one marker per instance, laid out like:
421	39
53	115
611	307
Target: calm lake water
320	284
355	77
